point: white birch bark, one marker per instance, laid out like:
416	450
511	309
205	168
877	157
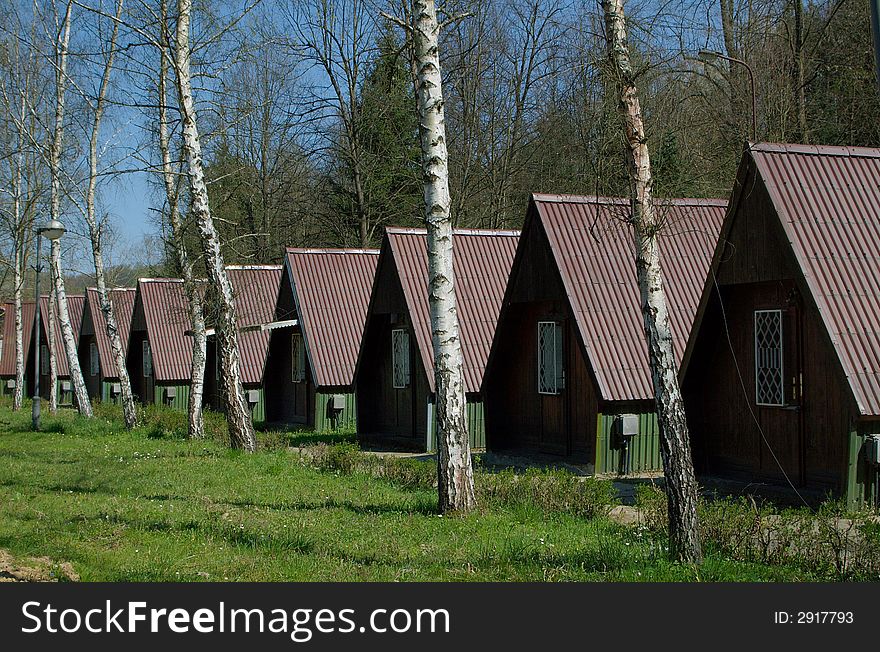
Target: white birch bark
241	428
79	387
18	396
53	347
128	408
194	306
681	487
455	474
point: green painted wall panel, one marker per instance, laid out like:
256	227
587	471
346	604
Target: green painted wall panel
644	448
475	422
179	402
258	412
347	419
861	477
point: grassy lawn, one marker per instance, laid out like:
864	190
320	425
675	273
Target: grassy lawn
144	506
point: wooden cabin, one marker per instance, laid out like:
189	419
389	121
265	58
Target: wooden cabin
255	291
64	386
314	340
395	370
159	356
7	361
95	353
568	374
782	372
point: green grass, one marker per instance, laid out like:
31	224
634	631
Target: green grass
145	506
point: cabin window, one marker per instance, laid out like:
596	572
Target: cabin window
44	360
93	359
551	367
399	358
147	360
298	358
769	387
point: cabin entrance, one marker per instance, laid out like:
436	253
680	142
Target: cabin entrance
779	393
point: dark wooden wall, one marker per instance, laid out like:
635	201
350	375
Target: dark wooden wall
140	386
287	401
396	416
93	383
517	416
808	436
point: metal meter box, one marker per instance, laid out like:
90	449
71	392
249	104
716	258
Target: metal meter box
337	402
629	426
872	449
170	393
253	396
10	384
116	389
65	385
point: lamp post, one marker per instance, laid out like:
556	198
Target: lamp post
709	56
53	230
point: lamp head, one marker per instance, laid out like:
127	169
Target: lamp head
53	230
708	56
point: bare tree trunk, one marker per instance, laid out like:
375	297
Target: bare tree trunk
800	91
241	428
681	487
196	314
53	360
455	474
76	378
128	409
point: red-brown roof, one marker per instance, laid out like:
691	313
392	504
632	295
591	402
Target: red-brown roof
7	361
123	305
481	262
163	303
255	289
332	293
594	251
75	305
828	202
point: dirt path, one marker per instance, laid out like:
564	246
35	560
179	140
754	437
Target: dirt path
34	569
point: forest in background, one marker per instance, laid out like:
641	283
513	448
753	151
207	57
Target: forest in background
310	127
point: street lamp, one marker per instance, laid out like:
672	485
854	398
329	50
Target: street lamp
53	230
710	56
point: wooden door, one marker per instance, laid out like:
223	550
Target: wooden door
553	398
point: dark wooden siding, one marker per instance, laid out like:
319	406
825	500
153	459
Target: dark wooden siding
517	416
809	436
287	401
93	383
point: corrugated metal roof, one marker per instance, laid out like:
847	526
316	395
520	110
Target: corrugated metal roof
255	289
594	251
123	306
332	292
75	304
7	362
164	304
482	262
828	202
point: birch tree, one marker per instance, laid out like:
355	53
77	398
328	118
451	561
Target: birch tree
61	50
681	487
194	305
241	429
455	478
95	232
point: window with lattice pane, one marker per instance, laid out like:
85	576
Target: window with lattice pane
298	358
551	368
769	386
93	358
148	359
399	358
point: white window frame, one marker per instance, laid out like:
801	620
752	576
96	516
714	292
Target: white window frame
93	359
147	359
781	359
400	356
297	358
554	386
44	360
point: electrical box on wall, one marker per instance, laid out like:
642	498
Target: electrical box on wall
116	389
337	401
253	396
170	393
872	449
629	425
10	384
65	385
